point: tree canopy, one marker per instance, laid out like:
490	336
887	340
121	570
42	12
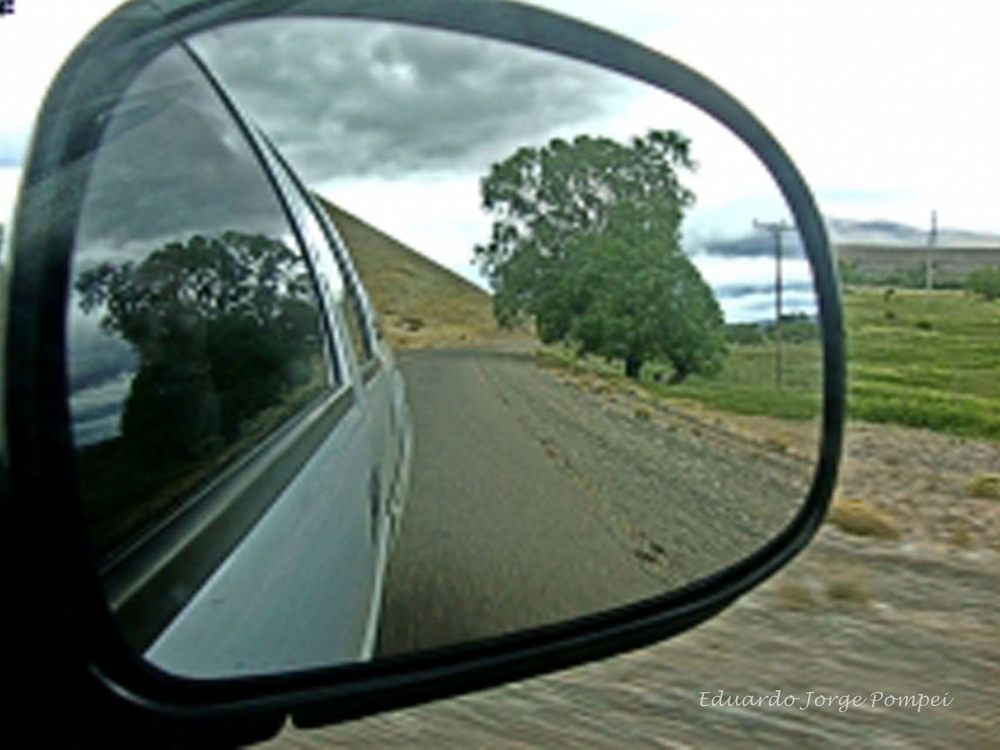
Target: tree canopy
223	327
586	240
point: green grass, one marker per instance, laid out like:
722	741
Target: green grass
746	385
933	361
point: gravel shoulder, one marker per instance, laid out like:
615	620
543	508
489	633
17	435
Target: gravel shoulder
853	615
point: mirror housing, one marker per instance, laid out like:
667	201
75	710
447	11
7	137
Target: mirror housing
65	648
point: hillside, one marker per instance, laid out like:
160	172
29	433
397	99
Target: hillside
420	303
955	261
879	249
883	232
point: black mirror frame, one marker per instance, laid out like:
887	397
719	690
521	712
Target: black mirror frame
41	527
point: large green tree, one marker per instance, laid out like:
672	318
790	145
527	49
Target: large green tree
586	241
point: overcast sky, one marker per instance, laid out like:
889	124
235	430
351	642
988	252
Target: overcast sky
889	108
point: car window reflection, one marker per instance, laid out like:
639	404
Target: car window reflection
194	327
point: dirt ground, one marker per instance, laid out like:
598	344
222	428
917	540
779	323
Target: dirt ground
876	618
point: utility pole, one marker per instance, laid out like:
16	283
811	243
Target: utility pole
776	229
932	236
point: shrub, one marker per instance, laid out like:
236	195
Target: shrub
744	333
984	486
984	282
796	596
855	516
850	587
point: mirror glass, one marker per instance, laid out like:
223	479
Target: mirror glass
303	435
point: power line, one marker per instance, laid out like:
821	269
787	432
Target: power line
776	229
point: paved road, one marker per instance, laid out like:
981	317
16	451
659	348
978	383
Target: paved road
534	501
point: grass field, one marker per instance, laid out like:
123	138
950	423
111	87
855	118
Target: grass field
747	384
924	360
913	359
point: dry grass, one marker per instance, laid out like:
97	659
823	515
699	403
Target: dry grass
857	517
849	585
776	443
643	413
420	303
796	596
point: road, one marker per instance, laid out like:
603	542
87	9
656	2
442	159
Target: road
851	616
534	500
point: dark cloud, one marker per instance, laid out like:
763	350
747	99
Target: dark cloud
755	245
172	164
739	291
345	98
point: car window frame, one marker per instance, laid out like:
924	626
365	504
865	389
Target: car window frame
150	577
369	360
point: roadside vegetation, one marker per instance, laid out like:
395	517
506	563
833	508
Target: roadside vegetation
860	518
915	359
924	360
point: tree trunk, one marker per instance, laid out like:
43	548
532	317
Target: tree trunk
633	365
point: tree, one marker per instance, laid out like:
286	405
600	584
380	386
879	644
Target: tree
586	240
223	327
985	282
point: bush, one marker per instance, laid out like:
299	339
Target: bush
855	516
984	486
984	282
744	333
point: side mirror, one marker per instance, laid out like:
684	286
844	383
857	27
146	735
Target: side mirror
238	506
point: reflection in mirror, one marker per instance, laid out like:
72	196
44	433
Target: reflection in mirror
645	415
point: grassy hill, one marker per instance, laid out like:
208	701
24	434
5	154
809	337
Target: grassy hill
420	303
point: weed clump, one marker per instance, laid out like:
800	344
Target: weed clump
849	587
412	323
777	444
984	486
855	516
796	596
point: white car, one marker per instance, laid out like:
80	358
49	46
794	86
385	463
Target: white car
241	431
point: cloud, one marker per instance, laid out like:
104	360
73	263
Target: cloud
11	151
171	166
352	99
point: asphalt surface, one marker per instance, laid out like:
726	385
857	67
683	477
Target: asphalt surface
534	501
